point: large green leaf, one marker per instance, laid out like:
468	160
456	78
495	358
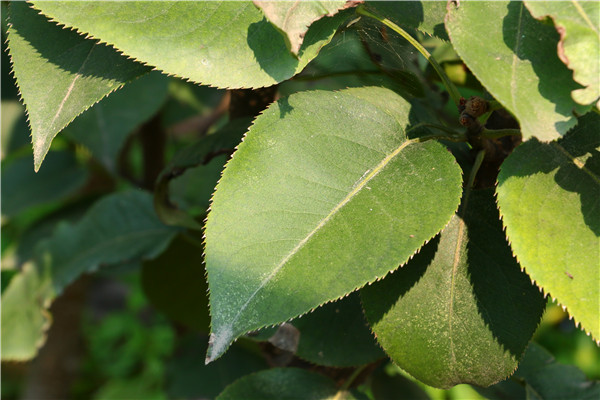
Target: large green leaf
461	311
325	194
284	383
515	59
578	23
294	18
22	188
60	73
219	43
24	319
104	128
120	227
549	197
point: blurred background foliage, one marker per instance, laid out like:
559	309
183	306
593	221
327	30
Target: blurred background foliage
141	327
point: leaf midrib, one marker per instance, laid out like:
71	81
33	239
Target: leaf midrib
456	260
360	184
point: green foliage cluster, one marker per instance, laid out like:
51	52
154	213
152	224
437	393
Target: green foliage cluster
374	212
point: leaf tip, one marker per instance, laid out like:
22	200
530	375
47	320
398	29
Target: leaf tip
218	343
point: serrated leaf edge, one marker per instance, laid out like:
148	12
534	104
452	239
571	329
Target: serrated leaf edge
38	162
533	281
154	68
375	279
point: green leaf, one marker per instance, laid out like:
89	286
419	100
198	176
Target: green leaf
293	19
549	379
175	285
426	16
284	383
461	311
329	333
540	376
104	128
120	227
578	23
327	185
43	227
189	379
24	319
60	73
23	189
548	196
224	44
515	59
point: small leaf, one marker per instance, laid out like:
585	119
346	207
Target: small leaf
104	128
515	59
189	379
60	73
120	227
548	196
329	333
578	24
23	189
284	383
461	311
293	19
24	319
218	43
327	185
175	285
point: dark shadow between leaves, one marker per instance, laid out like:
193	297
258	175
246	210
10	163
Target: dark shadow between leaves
509	304
398	283
536	42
